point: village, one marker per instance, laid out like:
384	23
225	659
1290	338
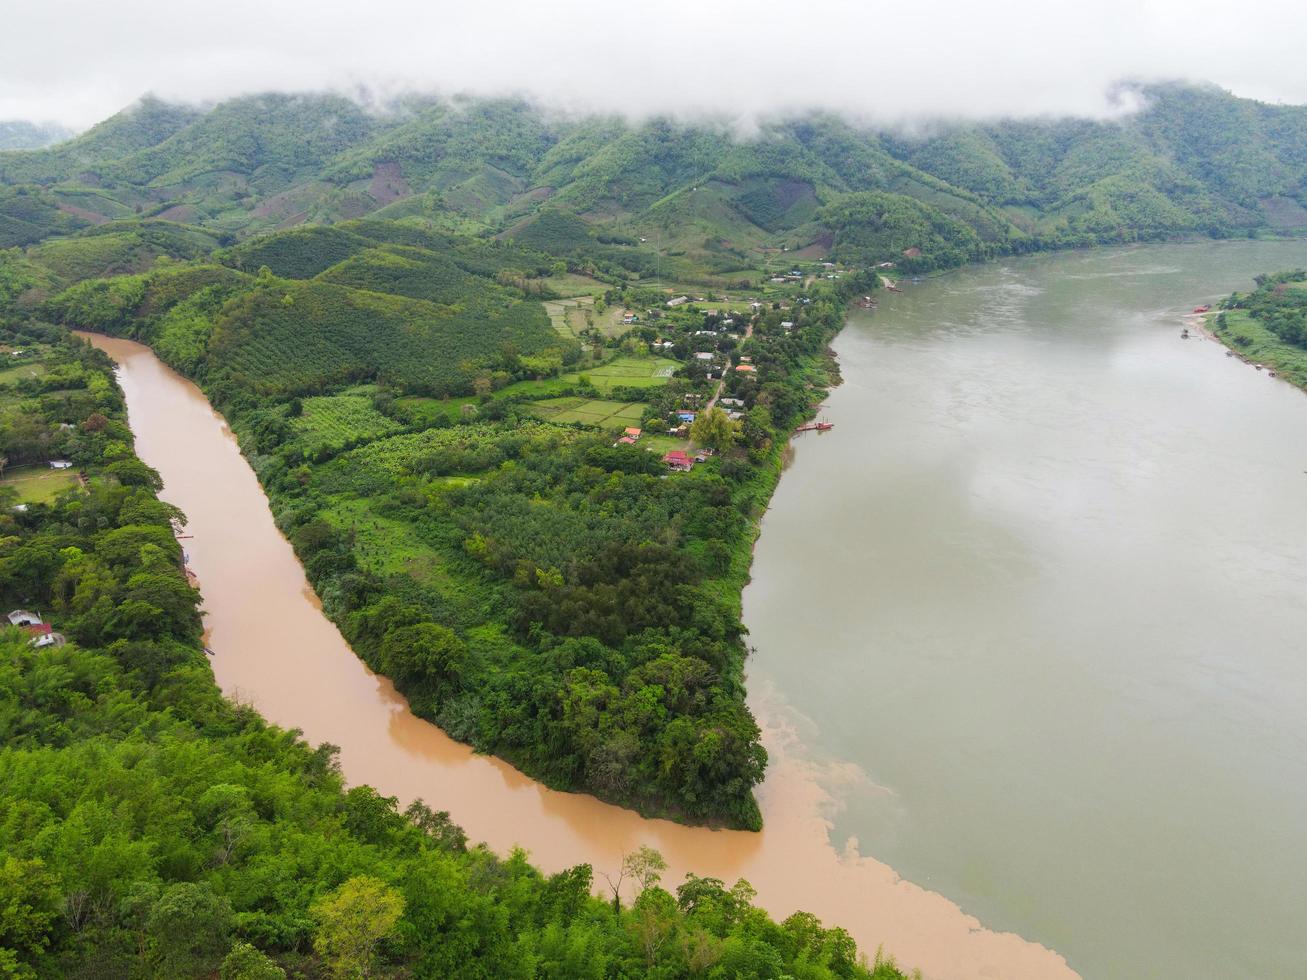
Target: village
726	351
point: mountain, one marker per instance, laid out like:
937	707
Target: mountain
1194	160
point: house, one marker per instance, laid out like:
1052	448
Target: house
60	464
678	301
21	617
787	324
704	356
625	441
746	368
44	636
735	415
676	459
746	359
632	433
885	265
912	253
685	416
732	402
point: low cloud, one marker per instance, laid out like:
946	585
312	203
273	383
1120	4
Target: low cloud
77	61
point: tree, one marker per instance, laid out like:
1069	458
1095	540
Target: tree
29	906
188	929
645	866
352	920
713	429
423	652
246	962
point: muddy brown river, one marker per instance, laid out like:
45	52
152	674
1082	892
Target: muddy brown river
274	649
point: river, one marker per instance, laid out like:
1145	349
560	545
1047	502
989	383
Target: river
1043	593
274	649
1025	626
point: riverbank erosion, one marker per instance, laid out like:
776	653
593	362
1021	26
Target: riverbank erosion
274	648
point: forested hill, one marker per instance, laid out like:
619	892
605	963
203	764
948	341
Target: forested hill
1194	160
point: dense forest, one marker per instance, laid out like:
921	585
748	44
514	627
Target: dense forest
152	828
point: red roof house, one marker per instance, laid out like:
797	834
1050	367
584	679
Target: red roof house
679	460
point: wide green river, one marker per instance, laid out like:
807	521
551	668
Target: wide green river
1037	607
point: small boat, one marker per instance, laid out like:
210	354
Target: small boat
1184	334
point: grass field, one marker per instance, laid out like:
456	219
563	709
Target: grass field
664	444
38	484
633	372
20	371
589	411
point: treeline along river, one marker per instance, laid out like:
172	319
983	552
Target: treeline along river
1027	626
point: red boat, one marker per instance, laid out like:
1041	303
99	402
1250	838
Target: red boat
1202	309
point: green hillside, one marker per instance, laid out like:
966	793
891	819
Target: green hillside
1194	161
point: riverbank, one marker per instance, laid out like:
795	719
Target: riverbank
275	650
1255	345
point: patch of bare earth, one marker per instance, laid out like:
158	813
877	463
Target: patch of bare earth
94	217
388	184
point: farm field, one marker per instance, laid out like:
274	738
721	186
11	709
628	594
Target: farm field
629	371
589	411
570	284
331	421
37	484
425	409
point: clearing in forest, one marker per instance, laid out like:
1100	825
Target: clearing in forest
37	484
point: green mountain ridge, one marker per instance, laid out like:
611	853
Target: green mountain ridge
1195	160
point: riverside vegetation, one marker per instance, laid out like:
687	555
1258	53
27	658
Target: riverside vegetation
1269	325
152	828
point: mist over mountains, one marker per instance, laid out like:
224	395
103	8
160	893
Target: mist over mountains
1191	160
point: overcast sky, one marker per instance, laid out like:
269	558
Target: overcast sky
77	61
